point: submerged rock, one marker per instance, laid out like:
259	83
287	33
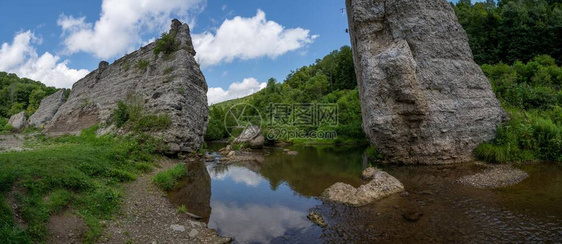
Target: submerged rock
17	121
166	84
317	219
382	185
495	177
251	136
292	153
47	109
423	98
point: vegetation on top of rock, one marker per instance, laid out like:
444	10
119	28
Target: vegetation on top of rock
166	44
142	64
512	30
131	112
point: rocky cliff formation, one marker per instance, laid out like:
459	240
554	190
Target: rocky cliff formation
423	98
162	84
47	109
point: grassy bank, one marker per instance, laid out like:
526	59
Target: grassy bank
79	174
166	180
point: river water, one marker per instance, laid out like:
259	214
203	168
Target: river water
268	201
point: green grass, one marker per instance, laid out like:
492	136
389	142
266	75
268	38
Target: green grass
167	180
79	173
182	209
527	137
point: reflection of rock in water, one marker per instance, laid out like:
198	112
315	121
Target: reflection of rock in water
194	191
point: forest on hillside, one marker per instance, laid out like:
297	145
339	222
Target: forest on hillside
20	94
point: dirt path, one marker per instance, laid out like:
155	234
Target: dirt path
149	217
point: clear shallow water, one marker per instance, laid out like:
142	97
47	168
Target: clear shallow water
268	202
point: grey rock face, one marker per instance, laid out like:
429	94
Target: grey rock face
381	185
423	98
47	109
162	84
18	121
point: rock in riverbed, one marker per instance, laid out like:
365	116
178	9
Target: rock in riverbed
423	98
495	177
317	219
251	136
382	185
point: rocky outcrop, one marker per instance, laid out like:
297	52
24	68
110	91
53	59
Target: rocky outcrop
164	84
423	98
18	121
251	136
381	185
47	109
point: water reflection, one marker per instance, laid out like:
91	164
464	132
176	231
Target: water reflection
237	174
194	191
251	223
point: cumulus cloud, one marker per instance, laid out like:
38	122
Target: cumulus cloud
20	57
121	23
236	90
248	38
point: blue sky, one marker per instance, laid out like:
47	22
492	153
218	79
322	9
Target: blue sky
240	43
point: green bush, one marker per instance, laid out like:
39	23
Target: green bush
531	93
166	44
168	179
151	123
526	137
121	114
142	64
3	122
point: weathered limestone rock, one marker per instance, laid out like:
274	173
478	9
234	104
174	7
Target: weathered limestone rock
17	121
382	185
423	98
163	84
47	109
252	136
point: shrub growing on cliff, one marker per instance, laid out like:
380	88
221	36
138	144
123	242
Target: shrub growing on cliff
142	64
121	114
151	123
166	44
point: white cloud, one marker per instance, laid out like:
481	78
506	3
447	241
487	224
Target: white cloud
248	38
121	23
21	58
236	90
